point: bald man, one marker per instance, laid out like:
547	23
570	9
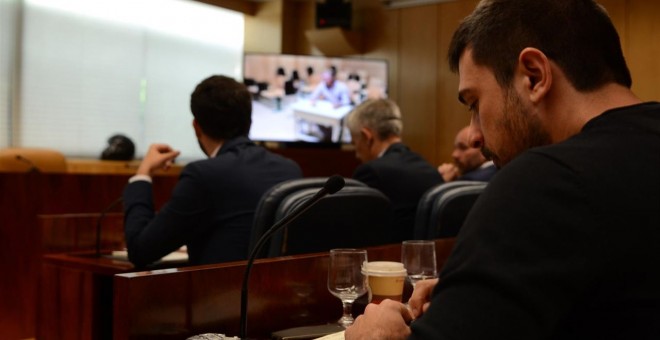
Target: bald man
469	163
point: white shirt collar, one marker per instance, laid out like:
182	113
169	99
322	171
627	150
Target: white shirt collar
215	152
486	164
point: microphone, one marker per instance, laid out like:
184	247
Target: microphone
32	167
98	224
331	186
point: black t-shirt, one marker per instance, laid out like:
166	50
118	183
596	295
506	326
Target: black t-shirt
563	244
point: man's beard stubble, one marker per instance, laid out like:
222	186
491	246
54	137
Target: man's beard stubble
522	130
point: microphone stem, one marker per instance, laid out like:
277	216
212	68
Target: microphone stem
262	240
98	224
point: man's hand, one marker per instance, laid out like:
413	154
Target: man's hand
388	320
159	156
421	297
448	171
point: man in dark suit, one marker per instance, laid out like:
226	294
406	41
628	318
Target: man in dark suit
389	165
212	206
469	163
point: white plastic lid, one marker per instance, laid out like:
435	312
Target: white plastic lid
384	268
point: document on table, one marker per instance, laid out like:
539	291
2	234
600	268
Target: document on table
179	255
332	336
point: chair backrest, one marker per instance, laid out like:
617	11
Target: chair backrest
423	221
354	217
265	213
32	159
450	209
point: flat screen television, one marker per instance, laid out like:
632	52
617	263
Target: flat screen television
285	106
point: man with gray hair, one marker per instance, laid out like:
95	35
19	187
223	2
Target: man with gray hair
389	165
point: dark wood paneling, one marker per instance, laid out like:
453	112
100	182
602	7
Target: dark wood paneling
284	292
174	303
23	197
322	162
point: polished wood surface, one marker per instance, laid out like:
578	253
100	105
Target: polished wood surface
61	202
321	162
174	303
26	237
94	166
284	292
76	294
62	233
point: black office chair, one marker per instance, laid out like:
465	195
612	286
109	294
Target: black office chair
450	210
356	216
423	219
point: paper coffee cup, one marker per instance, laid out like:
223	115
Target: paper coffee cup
386	280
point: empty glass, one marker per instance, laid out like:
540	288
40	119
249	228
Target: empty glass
346	280
418	257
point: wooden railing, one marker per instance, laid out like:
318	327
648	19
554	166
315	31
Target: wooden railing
83	299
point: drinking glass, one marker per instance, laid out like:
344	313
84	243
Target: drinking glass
418	257
346	280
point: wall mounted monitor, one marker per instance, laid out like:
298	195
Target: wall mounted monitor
289	106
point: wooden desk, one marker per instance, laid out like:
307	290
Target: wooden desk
95	166
26	237
176	303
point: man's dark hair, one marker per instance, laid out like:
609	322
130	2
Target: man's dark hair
222	107
120	148
578	35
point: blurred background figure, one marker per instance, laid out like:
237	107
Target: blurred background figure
469	163
387	163
120	148
332	90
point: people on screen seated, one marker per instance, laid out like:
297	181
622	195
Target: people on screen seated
556	247
212	205
292	85
388	164
469	163
331	90
275	89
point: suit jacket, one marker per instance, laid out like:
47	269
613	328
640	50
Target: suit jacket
211	209
480	174
403	176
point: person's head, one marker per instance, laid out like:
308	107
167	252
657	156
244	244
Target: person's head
329	76
120	148
371	123
510	53
466	157
222	108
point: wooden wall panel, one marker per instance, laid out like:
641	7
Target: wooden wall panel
452	115
643	47
263	31
23	197
381	41
418	54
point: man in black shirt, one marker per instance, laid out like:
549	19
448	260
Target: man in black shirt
557	247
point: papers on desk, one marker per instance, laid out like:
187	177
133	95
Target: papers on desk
333	336
175	256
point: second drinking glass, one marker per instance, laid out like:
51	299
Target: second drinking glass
418	257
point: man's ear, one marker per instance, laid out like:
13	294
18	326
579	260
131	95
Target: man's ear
198	130
367	135
536	71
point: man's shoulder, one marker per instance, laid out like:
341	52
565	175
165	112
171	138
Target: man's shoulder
480	174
